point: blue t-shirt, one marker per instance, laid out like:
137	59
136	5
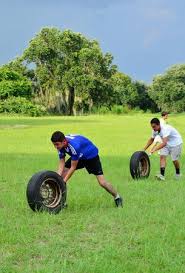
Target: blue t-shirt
79	147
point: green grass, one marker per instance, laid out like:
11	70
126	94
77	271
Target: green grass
91	235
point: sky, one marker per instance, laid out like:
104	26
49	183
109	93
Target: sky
145	37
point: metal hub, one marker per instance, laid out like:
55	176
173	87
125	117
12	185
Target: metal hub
50	193
143	167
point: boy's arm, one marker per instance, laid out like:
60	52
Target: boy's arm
71	170
160	146
61	166
150	141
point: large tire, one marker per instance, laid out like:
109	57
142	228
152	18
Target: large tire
46	191
139	165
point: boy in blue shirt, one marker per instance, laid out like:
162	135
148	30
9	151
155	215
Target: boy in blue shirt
83	154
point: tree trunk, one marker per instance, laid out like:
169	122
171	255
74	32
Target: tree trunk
71	99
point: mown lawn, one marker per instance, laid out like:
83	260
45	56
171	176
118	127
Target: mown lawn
91	235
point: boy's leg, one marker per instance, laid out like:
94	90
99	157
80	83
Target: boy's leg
162	164
109	188
162	168
177	166
94	166
106	185
175	155
164	152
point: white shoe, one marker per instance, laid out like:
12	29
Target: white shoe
160	177
178	176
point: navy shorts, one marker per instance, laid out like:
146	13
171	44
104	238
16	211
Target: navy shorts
92	165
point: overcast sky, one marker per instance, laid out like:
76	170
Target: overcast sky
144	36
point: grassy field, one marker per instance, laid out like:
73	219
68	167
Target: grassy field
91	235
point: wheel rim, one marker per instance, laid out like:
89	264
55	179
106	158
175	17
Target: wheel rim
50	193
143	167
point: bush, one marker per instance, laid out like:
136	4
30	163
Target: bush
117	109
14	84
120	109
21	105
15	88
100	110
103	110
137	110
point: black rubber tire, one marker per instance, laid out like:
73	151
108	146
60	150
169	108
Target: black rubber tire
139	165
52	183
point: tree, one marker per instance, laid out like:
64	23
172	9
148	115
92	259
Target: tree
124	90
168	90
70	69
144	102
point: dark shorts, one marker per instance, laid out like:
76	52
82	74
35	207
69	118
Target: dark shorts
92	165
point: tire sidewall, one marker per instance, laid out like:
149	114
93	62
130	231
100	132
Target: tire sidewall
134	164
33	191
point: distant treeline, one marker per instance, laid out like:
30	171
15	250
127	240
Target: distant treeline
63	72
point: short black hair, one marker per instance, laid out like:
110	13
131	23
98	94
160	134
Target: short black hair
164	113
57	136
155	121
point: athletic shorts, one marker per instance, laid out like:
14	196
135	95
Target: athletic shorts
175	152
92	165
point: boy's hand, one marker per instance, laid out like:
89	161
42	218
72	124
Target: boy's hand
151	152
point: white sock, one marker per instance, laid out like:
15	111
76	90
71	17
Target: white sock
117	196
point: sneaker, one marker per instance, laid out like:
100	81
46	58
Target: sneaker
178	176
119	202
160	177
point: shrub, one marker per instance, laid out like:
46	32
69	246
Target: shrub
103	110
21	105
117	109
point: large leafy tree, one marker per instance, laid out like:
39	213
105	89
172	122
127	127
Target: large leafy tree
124	90
70	69
168	90
144	101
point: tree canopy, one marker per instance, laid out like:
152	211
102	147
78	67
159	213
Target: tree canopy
168	90
70	69
64	72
